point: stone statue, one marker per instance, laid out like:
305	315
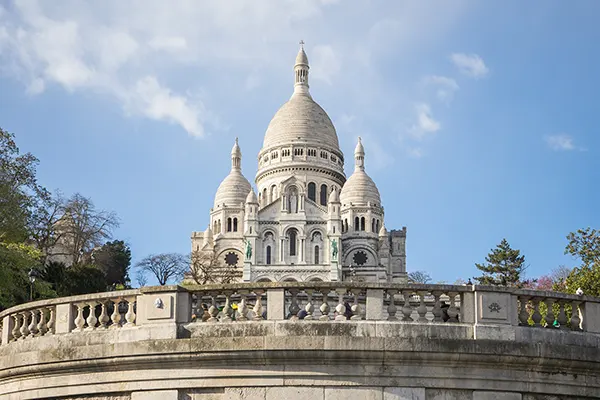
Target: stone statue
334	249
248	250
293	202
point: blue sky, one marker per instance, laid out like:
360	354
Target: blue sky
479	119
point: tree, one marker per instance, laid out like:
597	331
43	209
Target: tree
79	230
141	278
164	267
419	277
555	280
20	193
504	267
585	246
114	259
205	268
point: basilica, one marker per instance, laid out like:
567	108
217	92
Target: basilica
306	221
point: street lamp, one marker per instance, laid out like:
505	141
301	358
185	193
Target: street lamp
32	276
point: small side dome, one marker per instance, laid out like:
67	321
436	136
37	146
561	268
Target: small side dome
251	198
235	150
233	191
382	231
360	189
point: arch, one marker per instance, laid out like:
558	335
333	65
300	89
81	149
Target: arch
362	223
263	279
312	191
373	225
292	192
317	254
235	224
372	258
268	255
346	225
215	226
293	238
323	195
314	279
264	196
229	224
377	226
219	227
356	223
288	279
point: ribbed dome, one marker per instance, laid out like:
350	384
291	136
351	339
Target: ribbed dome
360	189
301	120
233	190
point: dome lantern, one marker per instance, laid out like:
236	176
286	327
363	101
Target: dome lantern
301	72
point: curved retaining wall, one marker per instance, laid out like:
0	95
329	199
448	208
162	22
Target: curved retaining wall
159	351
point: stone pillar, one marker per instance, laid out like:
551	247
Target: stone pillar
7	327
275	304
65	318
163	307
588	312
374	304
302	250
495	314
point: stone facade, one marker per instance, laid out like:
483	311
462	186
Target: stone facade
307	221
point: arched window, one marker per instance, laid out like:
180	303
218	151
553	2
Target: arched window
219	226
356	223
312	191
215	226
292	242
362	223
323	195
373	225
264	196
346	225
235	224
316	254
273	193
377	226
228	224
268	255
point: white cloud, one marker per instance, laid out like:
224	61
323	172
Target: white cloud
425	124
168	43
561	142
445	86
326	63
470	64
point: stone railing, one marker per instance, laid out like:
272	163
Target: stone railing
491	311
69	314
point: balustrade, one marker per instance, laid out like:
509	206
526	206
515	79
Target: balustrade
556	311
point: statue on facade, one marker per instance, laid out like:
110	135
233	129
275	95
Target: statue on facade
293	202
334	249
248	250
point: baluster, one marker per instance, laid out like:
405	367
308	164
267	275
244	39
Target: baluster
294	307
575	320
258	307
33	330
16	331
227	310
562	315
24	325
422	309
130	315
550	314
42	328
79	321
91	319
309	308
536	317
452	310
356	308
524	313
242	307
325	309
115	317
103	315
406	308
213	310
437	307
392	309
340	308
51	321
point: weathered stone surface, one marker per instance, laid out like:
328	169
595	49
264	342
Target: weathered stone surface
155	395
295	393
250	393
448	394
354	393
401	393
477	395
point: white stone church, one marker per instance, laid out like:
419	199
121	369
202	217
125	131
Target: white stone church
308	222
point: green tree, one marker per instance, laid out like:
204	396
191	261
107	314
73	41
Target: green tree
504	267
585	246
114	260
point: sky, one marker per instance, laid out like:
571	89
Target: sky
479	119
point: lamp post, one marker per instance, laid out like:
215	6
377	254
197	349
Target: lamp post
32	276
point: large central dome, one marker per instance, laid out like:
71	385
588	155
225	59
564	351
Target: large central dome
301	120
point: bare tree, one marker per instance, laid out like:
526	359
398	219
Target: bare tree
69	229
141	278
419	277
205	268
165	267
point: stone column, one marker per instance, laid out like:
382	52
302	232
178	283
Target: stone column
374	304
162	309
302	250
275	304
